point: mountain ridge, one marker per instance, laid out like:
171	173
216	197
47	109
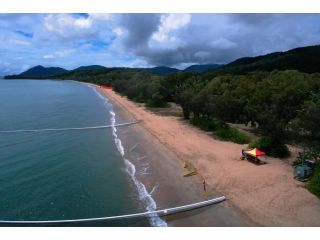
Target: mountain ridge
304	59
43	72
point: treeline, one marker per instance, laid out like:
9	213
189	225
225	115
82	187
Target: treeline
137	85
282	105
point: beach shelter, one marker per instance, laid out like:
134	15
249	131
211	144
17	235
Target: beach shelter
255	152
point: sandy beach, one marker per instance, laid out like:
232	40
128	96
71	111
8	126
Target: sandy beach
265	195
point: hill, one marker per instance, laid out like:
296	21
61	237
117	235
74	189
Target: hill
201	68
162	70
303	59
90	67
40	72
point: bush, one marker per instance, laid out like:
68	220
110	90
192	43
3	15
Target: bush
271	148
137	99
300	159
303	156
262	143
205	123
157	104
314	183
228	133
157	100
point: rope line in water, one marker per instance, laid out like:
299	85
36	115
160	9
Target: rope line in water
67	129
149	214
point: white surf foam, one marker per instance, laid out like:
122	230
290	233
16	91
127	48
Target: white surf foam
144	195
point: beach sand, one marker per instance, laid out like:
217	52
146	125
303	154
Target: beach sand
265	195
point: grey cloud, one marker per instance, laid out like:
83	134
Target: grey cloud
252	18
139	28
187	54
221	38
207	38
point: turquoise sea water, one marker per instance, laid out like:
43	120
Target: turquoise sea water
61	175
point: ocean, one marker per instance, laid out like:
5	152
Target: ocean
62	175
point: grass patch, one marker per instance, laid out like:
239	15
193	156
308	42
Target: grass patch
221	130
157	104
205	123
137	100
314	183
232	134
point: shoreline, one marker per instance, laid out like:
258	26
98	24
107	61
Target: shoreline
129	167
264	195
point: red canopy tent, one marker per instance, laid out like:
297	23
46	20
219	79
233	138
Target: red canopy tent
255	152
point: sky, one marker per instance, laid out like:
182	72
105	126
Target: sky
147	40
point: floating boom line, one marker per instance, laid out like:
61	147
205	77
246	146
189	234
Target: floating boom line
149	214
67	129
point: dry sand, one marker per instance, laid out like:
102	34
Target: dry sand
265	195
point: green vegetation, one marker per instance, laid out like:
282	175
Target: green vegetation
314	183
306	155
220	129
267	145
303	59
157	100
208	124
307	128
225	132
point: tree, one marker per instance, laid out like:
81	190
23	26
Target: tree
184	94
307	124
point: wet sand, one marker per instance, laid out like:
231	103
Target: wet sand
264	195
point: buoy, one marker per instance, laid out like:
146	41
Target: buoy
150	214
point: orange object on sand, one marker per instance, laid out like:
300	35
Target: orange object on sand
105	87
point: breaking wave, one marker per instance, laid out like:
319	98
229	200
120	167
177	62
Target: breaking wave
144	195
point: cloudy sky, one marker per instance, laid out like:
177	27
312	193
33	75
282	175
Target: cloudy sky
144	40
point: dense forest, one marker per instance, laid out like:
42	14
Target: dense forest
278	94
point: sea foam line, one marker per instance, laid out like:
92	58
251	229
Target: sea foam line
144	195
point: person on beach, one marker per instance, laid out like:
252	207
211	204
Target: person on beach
243	157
